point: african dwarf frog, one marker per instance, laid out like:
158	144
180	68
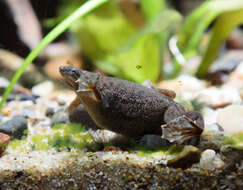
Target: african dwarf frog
131	109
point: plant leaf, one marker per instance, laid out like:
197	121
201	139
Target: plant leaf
103	31
60	28
199	20
151	8
141	61
223	27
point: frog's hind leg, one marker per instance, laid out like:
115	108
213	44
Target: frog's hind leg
147	83
181	126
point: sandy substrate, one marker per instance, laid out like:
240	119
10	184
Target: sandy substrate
106	170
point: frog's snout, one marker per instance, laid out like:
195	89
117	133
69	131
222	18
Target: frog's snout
71	72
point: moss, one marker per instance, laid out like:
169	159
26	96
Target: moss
72	136
175	149
41	142
234	141
19	144
148	152
63	137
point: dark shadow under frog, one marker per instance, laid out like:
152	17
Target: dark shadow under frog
131	109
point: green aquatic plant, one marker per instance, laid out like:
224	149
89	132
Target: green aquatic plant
119	47
222	29
60	28
228	15
234	141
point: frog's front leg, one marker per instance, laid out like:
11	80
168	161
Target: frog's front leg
181	126
74	104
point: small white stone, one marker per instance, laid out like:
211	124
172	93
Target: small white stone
216	96
61	100
185	86
239	69
210	115
212	127
3	82
231	119
43	88
210	161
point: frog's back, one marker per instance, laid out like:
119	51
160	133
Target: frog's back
132	108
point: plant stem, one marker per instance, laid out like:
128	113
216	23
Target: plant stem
222	28
60	28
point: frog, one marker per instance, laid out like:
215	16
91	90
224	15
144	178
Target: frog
132	109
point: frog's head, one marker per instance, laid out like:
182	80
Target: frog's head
79	80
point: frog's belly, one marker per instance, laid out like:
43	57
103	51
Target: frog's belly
132	127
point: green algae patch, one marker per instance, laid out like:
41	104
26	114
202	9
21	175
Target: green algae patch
70	136
147	151
21	145
60	137
235	141
40	142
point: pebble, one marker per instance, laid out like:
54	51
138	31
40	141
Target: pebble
213	127
4	140
3	84
230	119
231	155
49	112
239	69
27	113
211	139
61	100
210	115
210	161
185	158
14	127
25	97
10	98
6	111
43	89
219	97
59	117
185	86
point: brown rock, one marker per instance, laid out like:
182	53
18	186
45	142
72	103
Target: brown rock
6	111
4	140
184	159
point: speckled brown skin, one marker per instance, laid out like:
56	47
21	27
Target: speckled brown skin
131	109
125	107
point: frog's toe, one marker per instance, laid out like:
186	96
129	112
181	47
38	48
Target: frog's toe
196	117
181	129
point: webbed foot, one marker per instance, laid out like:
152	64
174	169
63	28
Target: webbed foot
188	126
